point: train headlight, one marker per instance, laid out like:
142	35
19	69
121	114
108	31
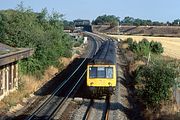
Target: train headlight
91	83
109	84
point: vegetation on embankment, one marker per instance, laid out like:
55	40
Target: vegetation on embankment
154	77
171	45
42	31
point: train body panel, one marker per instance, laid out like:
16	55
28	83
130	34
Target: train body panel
101	75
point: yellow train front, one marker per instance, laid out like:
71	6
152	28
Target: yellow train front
101	78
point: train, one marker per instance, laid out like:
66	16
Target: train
101	71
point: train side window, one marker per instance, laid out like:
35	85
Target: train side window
93	72
109	72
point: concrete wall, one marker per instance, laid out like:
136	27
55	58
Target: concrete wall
8	79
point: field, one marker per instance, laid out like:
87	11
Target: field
171	44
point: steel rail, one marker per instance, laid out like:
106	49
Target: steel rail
48	99
88	110
107	109
65	99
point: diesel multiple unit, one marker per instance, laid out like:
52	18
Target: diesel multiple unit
101	71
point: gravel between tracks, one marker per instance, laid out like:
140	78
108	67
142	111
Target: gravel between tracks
78	114
119	103
97	110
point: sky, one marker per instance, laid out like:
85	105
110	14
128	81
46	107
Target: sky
156	10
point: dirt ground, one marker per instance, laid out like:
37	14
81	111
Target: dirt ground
171	44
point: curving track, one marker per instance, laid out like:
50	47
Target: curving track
52	104
49	107
105	110
90	112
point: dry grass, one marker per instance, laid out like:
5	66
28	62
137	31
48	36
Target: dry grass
30	84
167	112
27	85
133	66
171	44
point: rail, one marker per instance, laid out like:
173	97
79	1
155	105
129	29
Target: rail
52	96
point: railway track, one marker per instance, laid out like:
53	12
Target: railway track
52	104
89	111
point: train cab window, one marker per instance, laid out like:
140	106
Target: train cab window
93	72
109	72
101	72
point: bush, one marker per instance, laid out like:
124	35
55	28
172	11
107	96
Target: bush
156	47
154	84
129	41
144	47
77	44
141	49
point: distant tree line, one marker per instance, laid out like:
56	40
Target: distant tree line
113	20
140	22
130	21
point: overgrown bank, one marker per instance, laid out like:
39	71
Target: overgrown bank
154	78
41	31
44	33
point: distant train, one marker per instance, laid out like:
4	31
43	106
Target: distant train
101	72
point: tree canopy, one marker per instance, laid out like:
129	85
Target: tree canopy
41	31
68	25
139	22
106	20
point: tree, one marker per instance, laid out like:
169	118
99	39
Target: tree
140	22
68	25
176	22
137	22
106	20
43	32
128	21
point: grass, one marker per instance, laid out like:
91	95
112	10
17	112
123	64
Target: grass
171	44
170	111
30	84
3	52
27	85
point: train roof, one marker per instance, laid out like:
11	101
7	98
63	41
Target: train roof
101	62
106	57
